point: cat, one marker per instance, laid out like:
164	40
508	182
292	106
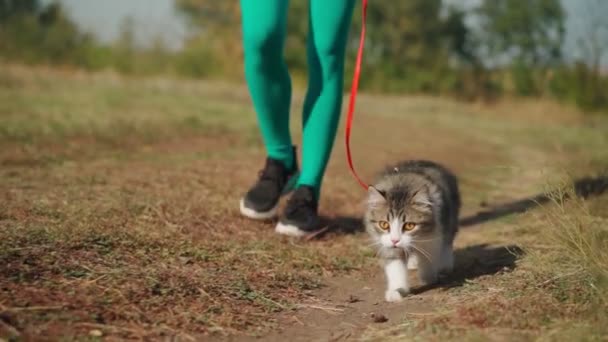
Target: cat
412	215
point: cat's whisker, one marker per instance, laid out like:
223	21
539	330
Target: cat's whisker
423	252
374	243
426	240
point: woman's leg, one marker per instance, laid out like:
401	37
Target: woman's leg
328	33
264	29
329	27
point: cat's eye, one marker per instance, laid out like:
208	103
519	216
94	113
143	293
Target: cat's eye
409	225
384	225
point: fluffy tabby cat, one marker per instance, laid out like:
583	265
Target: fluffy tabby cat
412	215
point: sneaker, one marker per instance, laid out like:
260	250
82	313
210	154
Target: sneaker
262	200
300	217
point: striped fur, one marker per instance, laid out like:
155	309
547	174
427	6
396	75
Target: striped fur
420	194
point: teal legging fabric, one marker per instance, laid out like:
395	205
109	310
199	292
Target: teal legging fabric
264	32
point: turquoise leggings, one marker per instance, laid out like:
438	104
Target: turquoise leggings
264	31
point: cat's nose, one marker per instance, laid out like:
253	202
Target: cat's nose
395	241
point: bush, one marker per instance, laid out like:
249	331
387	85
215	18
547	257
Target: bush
580	85
196	61
524	80
44	36
406	60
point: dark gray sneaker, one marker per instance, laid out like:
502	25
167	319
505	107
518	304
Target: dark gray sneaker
275	180
300	217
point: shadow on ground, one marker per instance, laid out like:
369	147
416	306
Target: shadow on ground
583	188
475	261
344	225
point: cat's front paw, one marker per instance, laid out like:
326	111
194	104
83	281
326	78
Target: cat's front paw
394	296
412	262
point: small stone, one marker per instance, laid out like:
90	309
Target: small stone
185	260
379	318
96	333
353	299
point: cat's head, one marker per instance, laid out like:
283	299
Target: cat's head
397	217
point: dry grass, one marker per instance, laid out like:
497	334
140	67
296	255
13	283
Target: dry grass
118	215
557	292
121	218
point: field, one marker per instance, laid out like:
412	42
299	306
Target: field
119	218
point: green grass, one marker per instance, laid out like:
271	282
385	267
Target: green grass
110	112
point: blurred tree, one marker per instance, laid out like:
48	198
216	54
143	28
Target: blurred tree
524	35
13	8
461	39
401	34
124	47
217	29
211	15
405	32
217	32
410	43
594	28
31	32
410	38
586	83
530	31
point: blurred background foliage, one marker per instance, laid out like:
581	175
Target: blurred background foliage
494	49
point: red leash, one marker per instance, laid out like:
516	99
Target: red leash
353	95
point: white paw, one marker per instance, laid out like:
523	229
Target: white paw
394	296
412	262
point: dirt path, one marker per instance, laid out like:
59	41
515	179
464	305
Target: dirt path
348	306
345	308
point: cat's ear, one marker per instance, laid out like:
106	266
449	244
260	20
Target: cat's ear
422	201
375	197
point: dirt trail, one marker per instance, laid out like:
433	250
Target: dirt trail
346	308
349	305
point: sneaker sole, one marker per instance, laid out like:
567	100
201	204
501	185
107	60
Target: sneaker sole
257	215
272	213
290	230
